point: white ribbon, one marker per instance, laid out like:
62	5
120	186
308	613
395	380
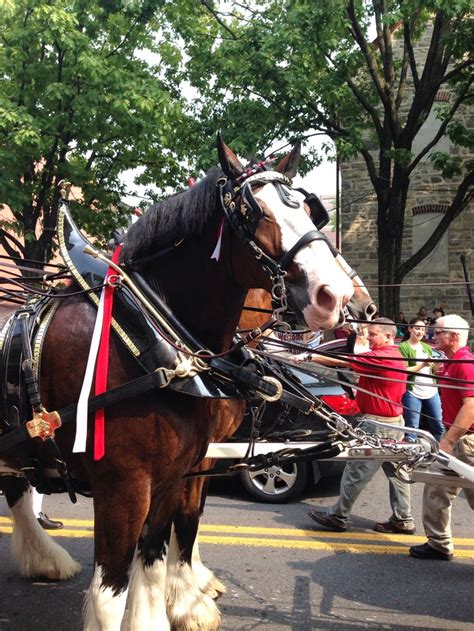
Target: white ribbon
81	414
217	250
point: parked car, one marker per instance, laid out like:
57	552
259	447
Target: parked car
281	484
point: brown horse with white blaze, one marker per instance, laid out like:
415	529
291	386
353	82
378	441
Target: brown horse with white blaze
152	441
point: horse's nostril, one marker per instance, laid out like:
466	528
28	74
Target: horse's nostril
325	299
371	310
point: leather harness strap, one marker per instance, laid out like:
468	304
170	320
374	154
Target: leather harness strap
306	239
161	378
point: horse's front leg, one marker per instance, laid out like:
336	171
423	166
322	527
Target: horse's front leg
121	505
206	579
190	605
32	548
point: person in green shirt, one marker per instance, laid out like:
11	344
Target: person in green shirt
422	395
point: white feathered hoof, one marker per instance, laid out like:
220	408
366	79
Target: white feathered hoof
207	581
187	607
215	589
41	556
195	614
59	567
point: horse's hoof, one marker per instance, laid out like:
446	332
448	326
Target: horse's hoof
199	615
59	572
214	589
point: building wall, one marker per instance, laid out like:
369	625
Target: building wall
429	196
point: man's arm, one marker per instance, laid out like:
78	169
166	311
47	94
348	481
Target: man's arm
461	425
321	359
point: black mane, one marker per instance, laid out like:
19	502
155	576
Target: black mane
182	215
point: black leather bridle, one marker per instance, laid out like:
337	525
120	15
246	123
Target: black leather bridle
244	213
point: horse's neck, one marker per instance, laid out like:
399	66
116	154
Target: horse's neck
256	299
202	296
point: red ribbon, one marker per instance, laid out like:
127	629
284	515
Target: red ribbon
102	366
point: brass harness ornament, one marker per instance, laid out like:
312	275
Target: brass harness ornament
43	424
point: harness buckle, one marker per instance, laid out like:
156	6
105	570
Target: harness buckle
113	280
258	253
279	390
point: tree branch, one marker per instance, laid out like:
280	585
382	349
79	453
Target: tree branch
427	87
442	127
454	72
371	168
379	25
124	39
366	105
369	57
408	59
411	54
387	53
5	238
215	15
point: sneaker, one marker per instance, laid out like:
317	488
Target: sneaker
392	527
49	524
425	551
324	519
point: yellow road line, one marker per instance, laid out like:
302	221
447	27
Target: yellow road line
321	534
260	542
86	523
280	532
316	545
64	532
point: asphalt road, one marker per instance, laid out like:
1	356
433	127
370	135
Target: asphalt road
280	573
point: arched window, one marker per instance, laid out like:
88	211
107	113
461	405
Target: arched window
431	127
425	219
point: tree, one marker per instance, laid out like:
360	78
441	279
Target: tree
276	70
78	101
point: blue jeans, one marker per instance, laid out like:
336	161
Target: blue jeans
431	408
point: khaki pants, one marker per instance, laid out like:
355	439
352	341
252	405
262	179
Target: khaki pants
358	473
437	501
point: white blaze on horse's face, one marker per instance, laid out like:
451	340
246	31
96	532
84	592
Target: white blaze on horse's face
325	289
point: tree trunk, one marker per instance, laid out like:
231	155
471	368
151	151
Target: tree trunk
390	221
38	254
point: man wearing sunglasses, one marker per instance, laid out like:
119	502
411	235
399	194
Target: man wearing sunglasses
451	333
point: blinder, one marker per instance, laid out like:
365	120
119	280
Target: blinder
244	213
319	215
250	210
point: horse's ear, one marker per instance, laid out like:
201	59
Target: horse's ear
230	163
289	164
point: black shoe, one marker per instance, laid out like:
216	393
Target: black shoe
326	520
425	551
49	524
391	527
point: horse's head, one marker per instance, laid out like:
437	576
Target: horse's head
361	306
275	222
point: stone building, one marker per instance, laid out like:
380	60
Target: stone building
428	199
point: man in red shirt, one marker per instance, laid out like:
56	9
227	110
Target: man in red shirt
451	333
382	403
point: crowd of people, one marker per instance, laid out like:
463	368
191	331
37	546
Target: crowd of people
442	392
